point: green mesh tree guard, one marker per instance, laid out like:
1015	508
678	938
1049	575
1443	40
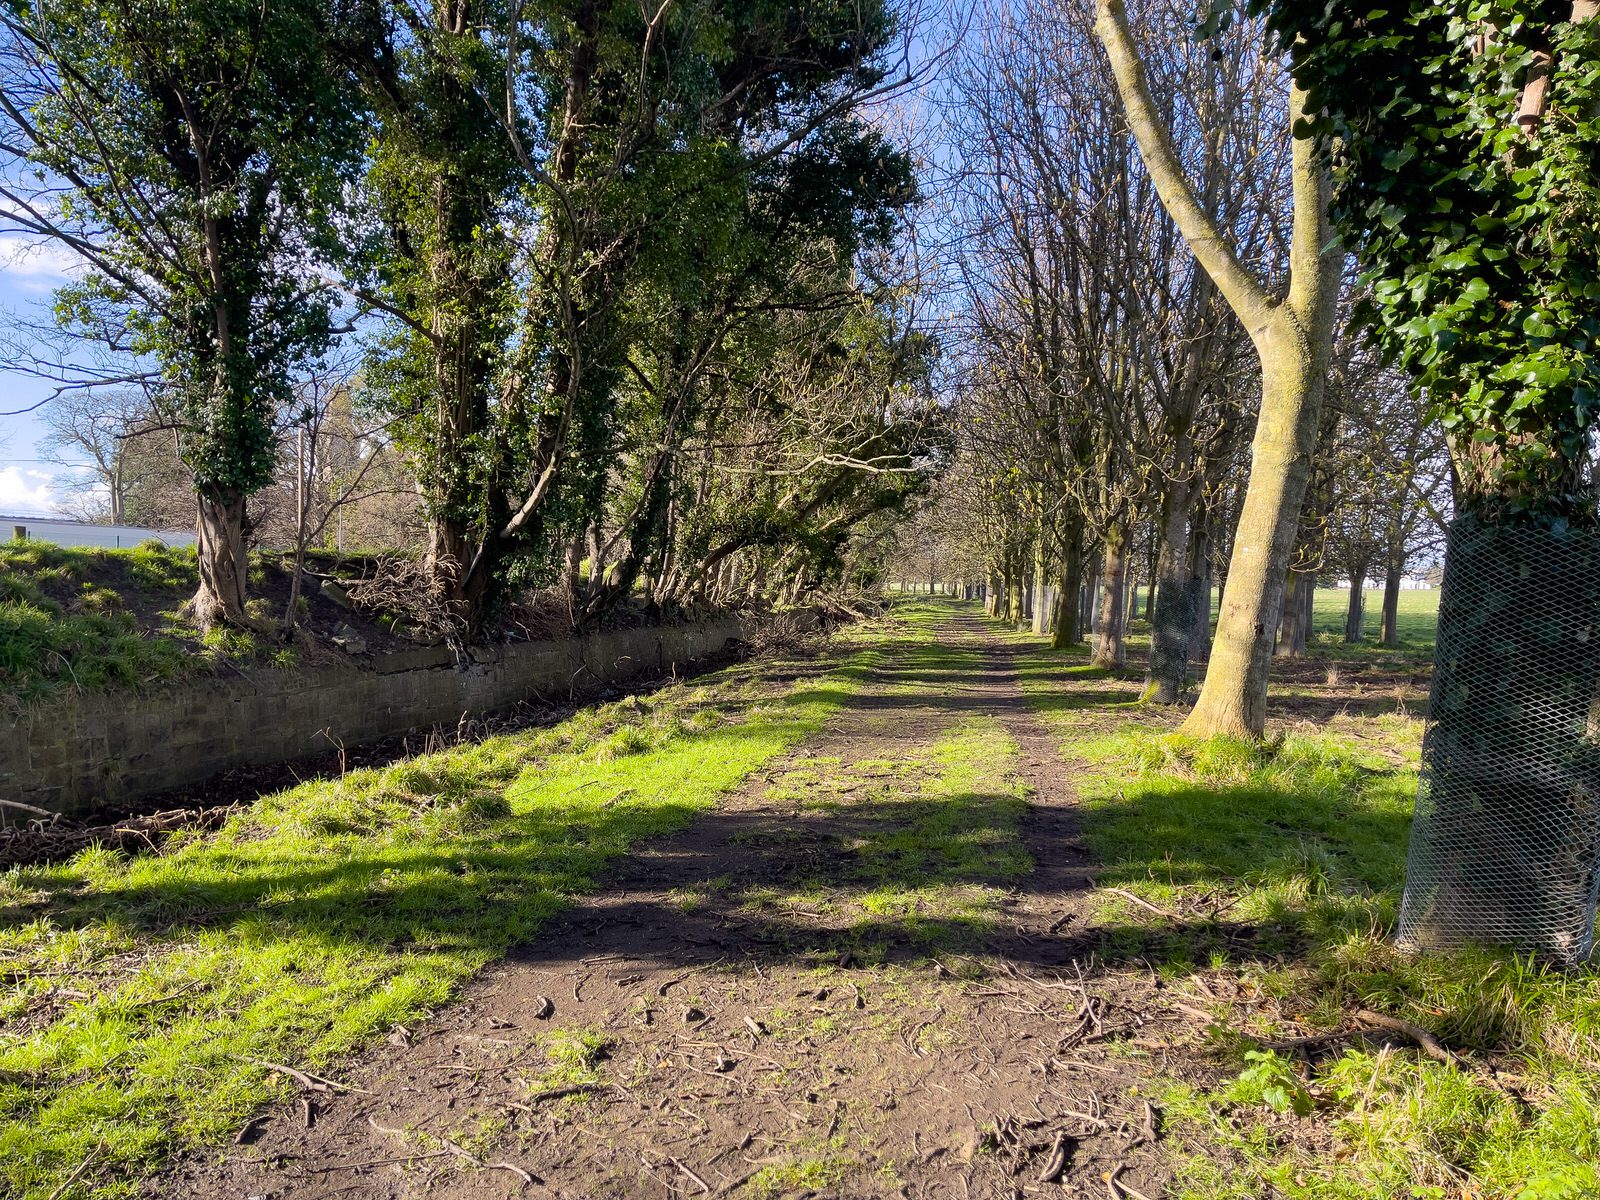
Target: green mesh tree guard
1507	833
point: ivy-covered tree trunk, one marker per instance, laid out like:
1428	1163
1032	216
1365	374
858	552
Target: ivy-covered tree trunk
462	568
1109	648
220	554
1171	620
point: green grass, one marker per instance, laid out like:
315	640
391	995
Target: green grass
1416	617
1284	864
139	991
64	624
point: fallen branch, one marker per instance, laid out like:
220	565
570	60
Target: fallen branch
1428	1044
1127	895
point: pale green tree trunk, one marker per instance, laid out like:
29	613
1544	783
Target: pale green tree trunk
1293	338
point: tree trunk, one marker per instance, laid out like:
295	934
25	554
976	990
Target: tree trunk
1067	620
1200	583
1292	628
1153	563
1173	621
220	555
1041	603
1293	336
462	571
1109	649
1234	699
1394	571
1355	611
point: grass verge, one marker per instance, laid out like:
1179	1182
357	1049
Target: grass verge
144	995
1283	865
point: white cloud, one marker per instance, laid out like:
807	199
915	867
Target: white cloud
29	492
36	266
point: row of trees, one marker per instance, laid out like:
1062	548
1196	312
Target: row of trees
1148	277
1455	150
627	281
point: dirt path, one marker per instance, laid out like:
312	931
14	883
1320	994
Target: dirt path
830	987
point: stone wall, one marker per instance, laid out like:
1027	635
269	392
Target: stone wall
93	752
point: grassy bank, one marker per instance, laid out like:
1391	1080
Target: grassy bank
1282	866
68	618
144	995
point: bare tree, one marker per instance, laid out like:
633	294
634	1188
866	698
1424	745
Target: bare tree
1293	337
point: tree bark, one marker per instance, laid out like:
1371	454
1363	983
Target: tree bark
1356	610
1041	607
1292	628
1067	621
1200	584
220	555
1394	570
1109	648
1293	338
1172	621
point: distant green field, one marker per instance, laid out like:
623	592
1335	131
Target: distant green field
1417	618
1419	615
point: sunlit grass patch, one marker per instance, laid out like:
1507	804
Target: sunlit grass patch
1296	851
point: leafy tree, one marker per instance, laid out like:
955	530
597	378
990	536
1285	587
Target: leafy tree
1466	145
191	154
553	179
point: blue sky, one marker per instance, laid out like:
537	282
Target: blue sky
28	275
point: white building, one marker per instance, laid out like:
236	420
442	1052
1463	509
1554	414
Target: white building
1408	583
65	532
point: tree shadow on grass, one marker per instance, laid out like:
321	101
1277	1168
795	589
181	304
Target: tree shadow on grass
892	879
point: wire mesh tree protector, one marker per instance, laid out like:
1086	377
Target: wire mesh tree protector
1506	838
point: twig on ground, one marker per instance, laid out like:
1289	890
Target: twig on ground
1127	895
77	1174
512	1167
568	1089
1057	1162
311	1083
1424	1040
1118	1189
705	1188
377	1162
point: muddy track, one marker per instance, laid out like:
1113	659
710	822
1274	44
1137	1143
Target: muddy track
721	1039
